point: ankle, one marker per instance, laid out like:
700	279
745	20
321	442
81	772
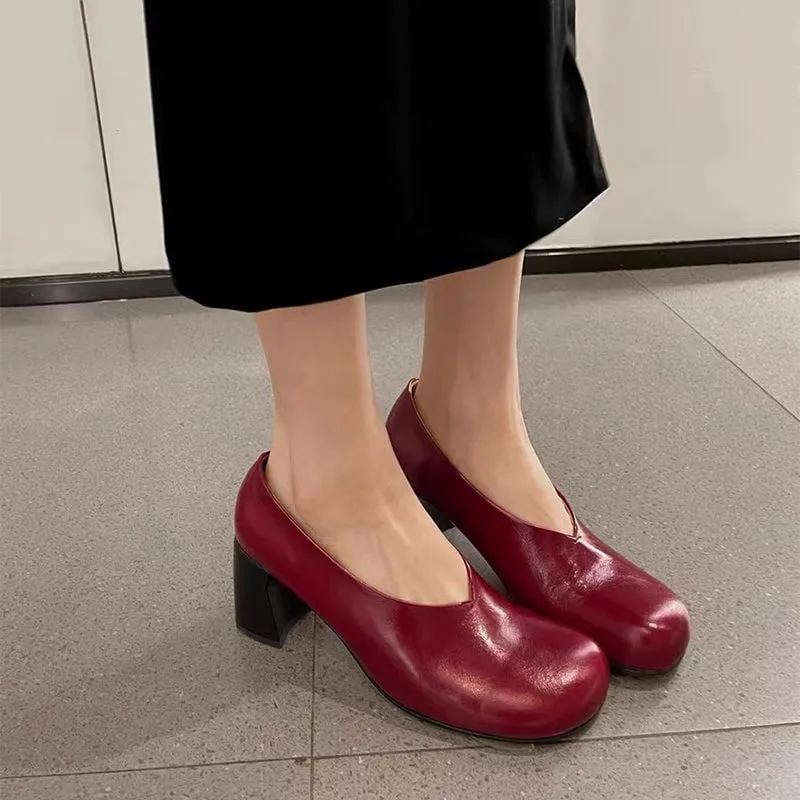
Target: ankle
462	416
488	443
334	485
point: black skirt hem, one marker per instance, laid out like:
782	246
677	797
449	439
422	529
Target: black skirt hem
465	253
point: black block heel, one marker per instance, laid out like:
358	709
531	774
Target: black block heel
265	609
437	516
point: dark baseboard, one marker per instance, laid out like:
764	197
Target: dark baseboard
85	288
131	285
666	254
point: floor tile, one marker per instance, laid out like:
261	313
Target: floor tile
751	312
125	433
274	780
731	765
127	426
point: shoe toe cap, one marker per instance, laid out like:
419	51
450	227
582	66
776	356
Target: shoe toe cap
584	683
660	641
564	693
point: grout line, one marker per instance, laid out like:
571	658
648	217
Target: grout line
417	751
414	751
101	134
711	344
587	741
761	726
158	768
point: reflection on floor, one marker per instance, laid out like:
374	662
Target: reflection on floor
665	403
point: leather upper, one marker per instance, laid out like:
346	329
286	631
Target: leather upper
485	665
578	580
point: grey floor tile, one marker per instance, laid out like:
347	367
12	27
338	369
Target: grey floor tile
751	312
125	432
126	428
731	765
274	780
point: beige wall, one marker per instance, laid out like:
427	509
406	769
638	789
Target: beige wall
116	30
697	103
54	209
697	106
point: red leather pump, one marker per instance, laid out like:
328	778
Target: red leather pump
577	580
485	666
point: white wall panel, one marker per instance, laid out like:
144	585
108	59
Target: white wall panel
54	211
117	38
697	104
697	107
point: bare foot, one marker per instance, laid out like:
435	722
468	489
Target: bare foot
493	451
371	522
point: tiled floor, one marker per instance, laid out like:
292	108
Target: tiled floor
666	403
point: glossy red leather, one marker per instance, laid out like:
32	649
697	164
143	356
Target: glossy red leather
485	666
578	580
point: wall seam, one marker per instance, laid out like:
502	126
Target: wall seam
101	134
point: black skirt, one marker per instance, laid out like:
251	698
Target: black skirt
310	151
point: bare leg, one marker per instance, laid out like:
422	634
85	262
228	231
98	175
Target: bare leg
332	465
469	390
